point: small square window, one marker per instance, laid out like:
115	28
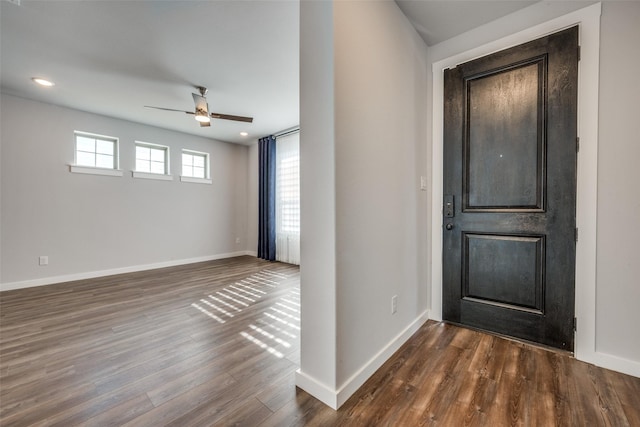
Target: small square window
152	158
96	151
195	166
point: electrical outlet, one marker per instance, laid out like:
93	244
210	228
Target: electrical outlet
43	260
237	240
394	304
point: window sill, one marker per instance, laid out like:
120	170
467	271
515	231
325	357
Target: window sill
94	171
195	180
157	176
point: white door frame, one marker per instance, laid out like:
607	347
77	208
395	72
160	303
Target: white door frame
588	20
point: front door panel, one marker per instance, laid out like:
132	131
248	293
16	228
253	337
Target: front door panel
509	173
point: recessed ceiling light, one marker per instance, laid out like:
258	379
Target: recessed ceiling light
43	82
244	133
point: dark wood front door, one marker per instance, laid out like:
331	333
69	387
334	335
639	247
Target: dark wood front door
510	141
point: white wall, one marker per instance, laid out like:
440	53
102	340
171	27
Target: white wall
380	110
359	131
252	199
605	335
618	266
317	373
88	223
363	121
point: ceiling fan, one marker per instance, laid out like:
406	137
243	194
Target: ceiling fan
201	111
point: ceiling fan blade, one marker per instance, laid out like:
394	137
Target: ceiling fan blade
202	109
231	117
169	109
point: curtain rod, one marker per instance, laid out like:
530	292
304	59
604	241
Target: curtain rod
287	131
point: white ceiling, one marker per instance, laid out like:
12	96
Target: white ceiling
439	20
114	57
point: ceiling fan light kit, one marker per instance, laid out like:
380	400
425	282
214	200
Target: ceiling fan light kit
201	110
202	116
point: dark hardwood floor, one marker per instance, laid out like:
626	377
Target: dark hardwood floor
217	343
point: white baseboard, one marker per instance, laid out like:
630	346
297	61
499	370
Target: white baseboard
335	399
359	378
101	273
614	363
316	389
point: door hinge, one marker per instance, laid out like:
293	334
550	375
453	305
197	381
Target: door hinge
576	234
579	53
575	323
577	144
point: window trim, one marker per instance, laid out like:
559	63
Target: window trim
96	170
195	180
147	175
166	175
207	167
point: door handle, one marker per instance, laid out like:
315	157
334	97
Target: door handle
448	208
449	226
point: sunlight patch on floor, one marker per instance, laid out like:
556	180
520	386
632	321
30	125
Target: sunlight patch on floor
232	299
261	344
207	312
270	336
284	322
239	295
215	307
282	313
286	307
218	300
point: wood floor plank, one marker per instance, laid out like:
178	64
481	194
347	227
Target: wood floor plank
607	401
117	415
251	413
38	410
278	394
305	411
175	385
217	344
